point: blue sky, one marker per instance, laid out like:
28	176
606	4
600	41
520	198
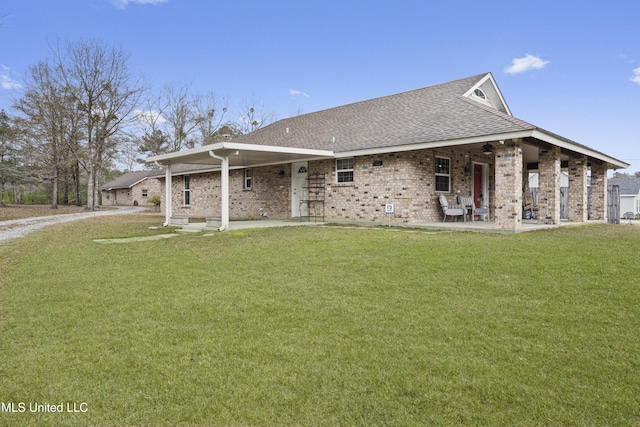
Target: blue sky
570	67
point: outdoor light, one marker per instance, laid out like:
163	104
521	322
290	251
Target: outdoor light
487	149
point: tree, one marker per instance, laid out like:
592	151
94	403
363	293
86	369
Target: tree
8	163
227	131
210	117
253	117
154	143
17	168
617	174
105	95
50	121
182	118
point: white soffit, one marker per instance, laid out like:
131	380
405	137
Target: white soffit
240	155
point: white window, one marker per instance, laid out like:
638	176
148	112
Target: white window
186	192
145	192
637	206
344	170
443	174
248	179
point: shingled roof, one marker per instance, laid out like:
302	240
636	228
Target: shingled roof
127	180
446	114
628	186
434	113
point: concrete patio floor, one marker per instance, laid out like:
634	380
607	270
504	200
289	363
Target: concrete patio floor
476	226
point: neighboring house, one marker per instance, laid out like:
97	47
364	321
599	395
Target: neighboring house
451	139
629	194
133	188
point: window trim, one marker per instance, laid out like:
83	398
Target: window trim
440	174
340	169
145	193
186	190
247	183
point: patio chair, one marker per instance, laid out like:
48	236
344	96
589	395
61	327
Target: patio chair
453	211
469	206
483	210
528	210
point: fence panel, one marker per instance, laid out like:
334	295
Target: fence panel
613	204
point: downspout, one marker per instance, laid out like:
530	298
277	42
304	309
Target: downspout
224	183
167	193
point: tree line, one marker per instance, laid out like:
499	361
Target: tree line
82	111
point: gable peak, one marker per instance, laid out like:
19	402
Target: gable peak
486	92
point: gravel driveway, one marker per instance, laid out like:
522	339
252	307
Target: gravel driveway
21	227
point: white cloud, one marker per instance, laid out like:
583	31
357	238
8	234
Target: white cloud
6	81
121	4
529	62
149	117
636	76
625	58
295	92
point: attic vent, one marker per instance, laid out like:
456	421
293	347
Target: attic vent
480	94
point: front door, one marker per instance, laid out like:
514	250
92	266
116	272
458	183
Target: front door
480	185
298	182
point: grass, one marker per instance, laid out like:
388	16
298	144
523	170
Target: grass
321	326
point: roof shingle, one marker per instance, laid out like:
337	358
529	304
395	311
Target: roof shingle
434	113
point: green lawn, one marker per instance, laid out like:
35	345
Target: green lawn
321	326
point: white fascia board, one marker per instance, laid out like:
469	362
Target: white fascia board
234	146
178	154
274	149
435	144
543	136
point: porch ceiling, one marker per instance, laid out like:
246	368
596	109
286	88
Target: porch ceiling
531	152
240	155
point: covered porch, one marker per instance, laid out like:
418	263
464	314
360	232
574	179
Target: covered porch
492	168
508	164
224	157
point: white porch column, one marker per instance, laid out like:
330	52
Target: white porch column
168	208
224	183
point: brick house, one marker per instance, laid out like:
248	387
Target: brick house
453	139
629	189
131	188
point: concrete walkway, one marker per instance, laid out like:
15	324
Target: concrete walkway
476	226
240	225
